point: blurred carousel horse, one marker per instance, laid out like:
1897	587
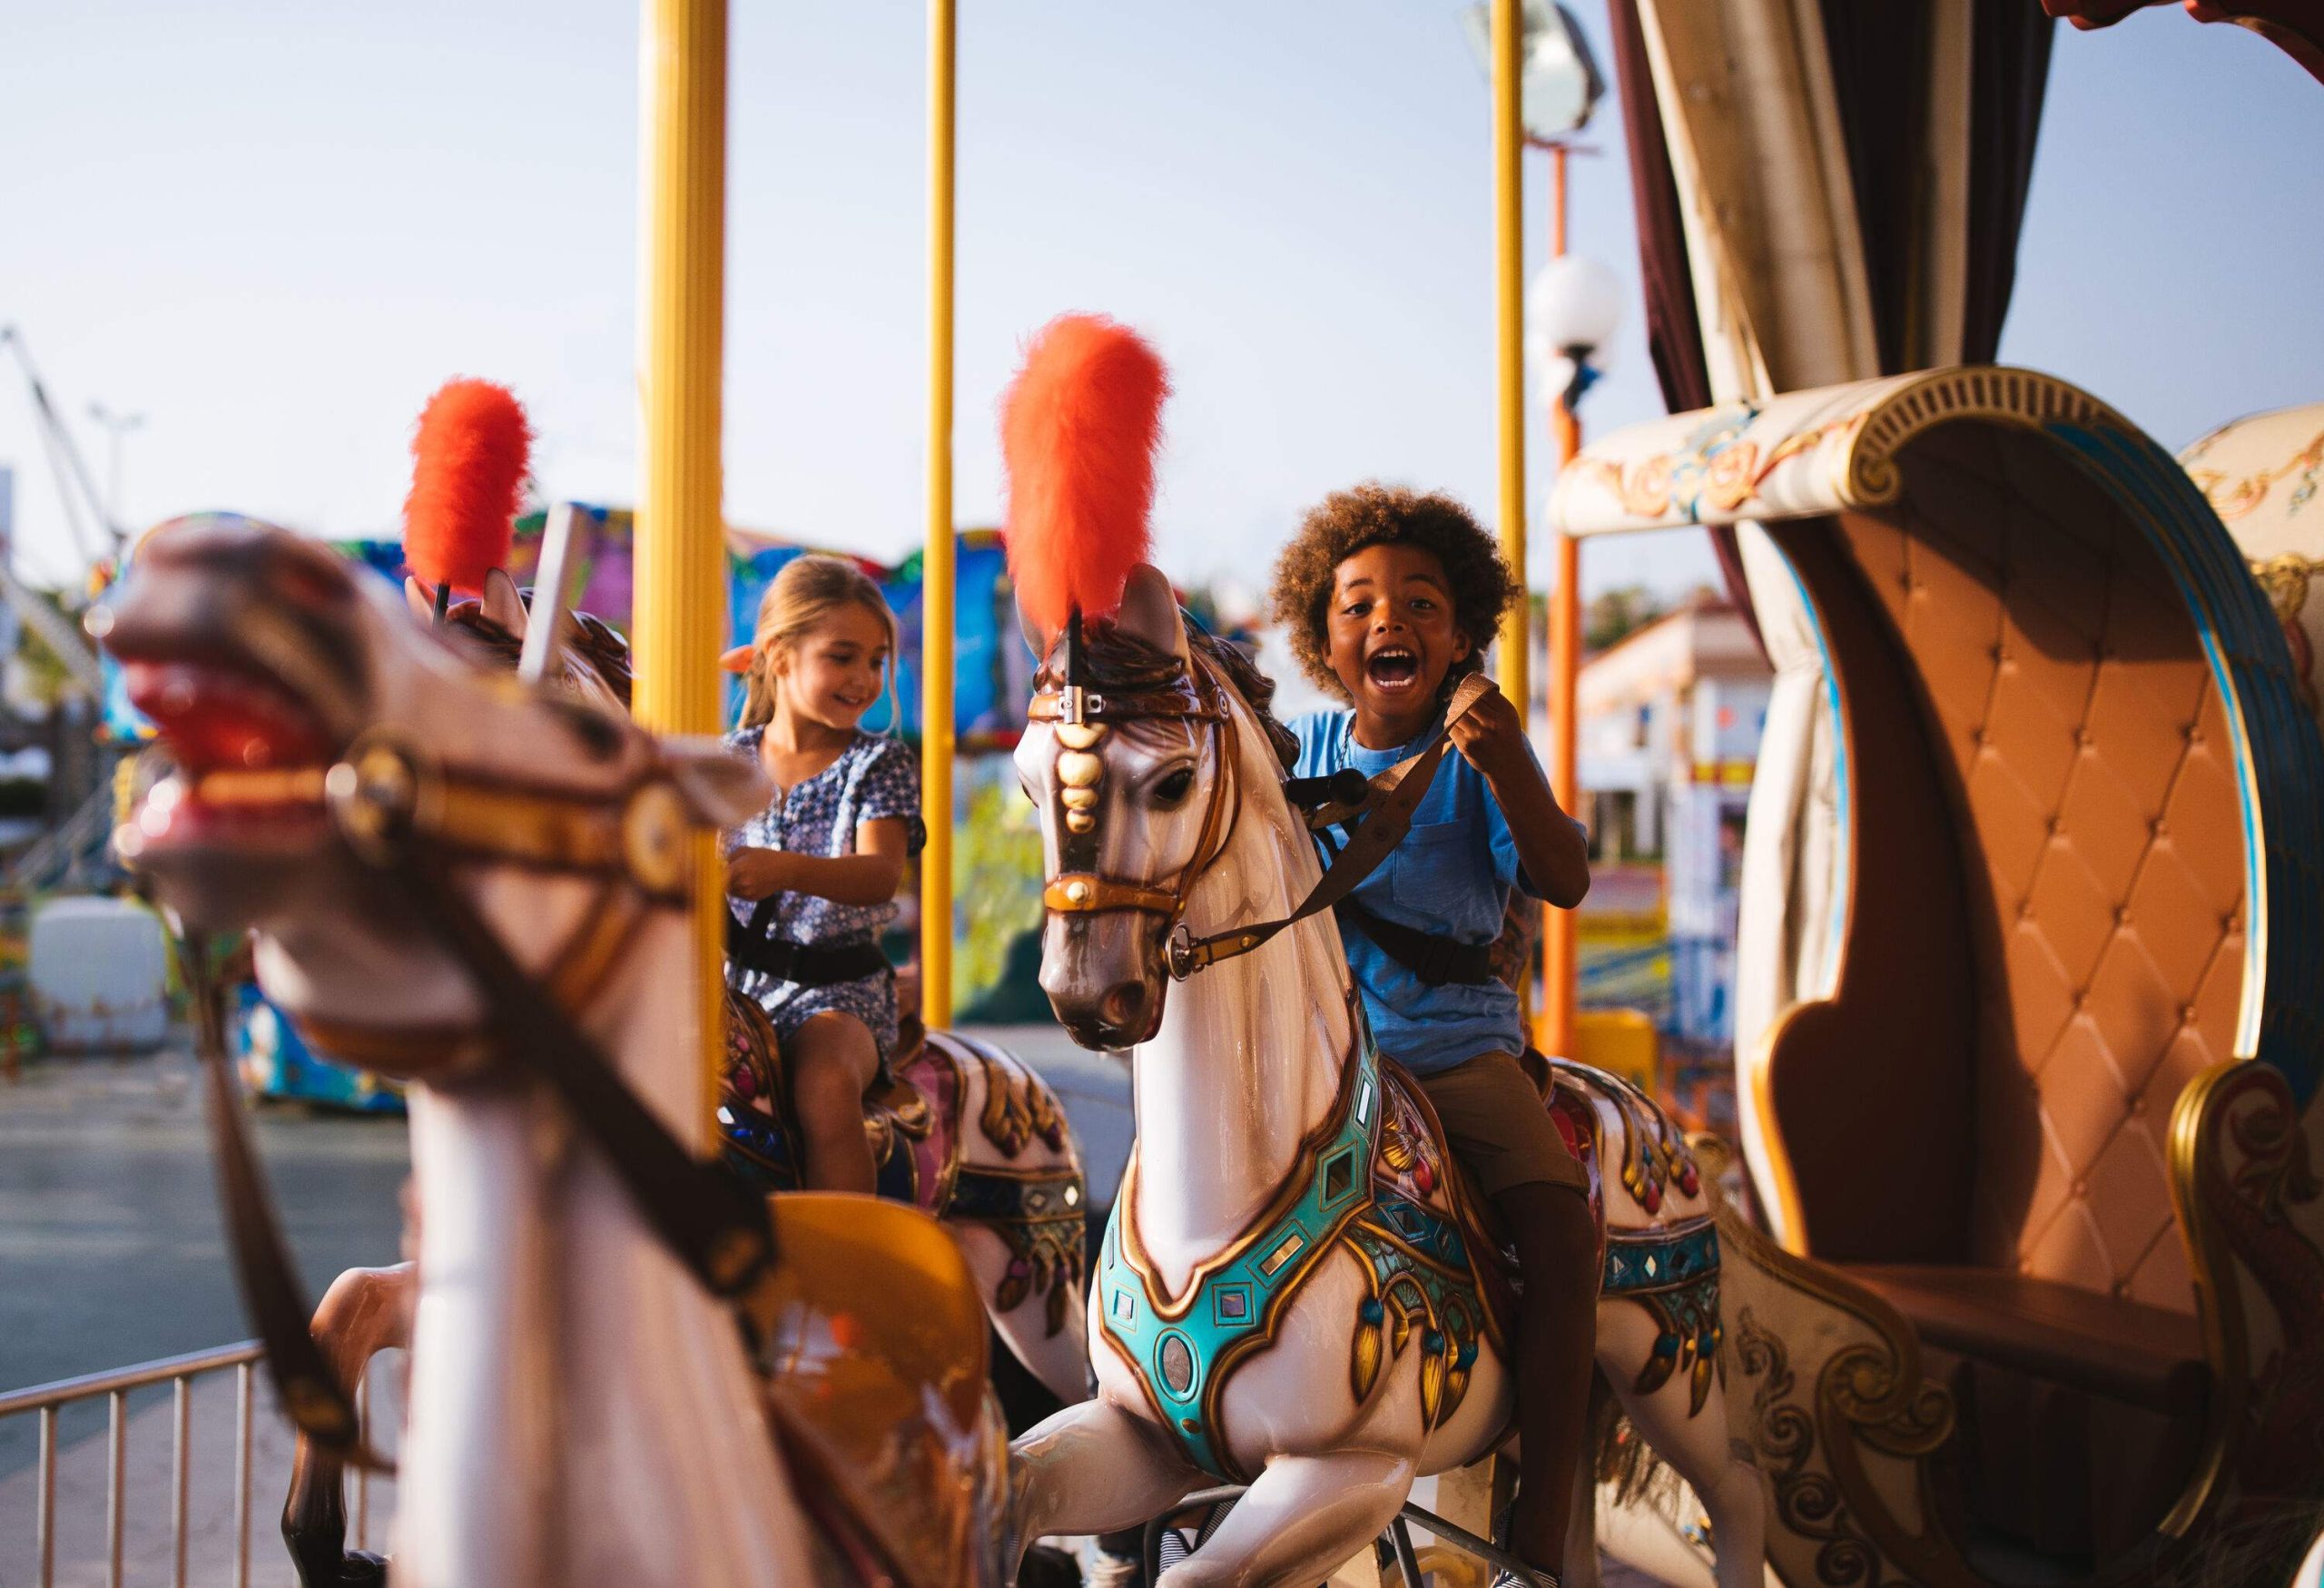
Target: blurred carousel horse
425	853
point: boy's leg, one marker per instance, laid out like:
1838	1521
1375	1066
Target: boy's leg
832	1059
1556	1335
1497	1125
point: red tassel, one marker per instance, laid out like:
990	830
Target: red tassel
1080	427
469	461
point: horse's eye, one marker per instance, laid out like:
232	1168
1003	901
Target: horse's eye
1172	788
600	737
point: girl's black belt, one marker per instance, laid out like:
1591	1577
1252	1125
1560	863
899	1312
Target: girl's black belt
754	947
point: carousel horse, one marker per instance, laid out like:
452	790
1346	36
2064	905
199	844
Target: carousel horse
1297	1291
1010	1189
427	851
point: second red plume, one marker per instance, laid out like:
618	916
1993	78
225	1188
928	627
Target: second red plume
469	457
1080	427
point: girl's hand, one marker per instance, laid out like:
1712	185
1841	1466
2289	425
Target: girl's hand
754	874
1489	736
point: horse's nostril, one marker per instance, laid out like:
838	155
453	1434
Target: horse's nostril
1123	1003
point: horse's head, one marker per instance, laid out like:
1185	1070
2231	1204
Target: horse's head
1133	754
323	737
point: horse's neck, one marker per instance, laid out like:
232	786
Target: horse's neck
543	1289
1249	1054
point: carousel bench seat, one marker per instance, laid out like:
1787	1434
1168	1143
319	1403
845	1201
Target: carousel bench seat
2124	1350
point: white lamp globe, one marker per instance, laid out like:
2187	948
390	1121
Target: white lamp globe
1574	302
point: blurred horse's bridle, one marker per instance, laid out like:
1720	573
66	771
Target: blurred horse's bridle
1194	692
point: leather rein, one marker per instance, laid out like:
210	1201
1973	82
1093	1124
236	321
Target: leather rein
1383	813
411	821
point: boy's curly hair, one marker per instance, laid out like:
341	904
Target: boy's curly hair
1372	514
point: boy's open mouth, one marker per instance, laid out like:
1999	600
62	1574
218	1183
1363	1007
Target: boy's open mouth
1393	669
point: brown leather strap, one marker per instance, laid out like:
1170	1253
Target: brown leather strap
1395	797
709	1219
1087	894
313	1397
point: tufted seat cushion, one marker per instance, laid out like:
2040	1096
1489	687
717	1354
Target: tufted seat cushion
2123	1350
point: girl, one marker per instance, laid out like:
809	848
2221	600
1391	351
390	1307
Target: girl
1389	598
813	878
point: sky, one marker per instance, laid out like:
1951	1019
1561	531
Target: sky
271	229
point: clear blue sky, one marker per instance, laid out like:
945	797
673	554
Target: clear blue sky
273	228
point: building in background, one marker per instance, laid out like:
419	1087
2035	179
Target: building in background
1670	717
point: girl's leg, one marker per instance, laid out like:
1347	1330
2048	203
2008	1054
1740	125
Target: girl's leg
832	1059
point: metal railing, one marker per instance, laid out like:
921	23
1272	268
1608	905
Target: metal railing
46	1400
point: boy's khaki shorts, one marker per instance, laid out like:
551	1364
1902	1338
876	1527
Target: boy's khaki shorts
1499	1128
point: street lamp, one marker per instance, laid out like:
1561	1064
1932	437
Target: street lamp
1571	311
1559	83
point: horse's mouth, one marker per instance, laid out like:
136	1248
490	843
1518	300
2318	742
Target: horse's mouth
251	758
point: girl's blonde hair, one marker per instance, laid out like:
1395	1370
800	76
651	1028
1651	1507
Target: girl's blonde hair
808	590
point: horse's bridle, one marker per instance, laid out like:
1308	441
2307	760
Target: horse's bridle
410	821
1194	692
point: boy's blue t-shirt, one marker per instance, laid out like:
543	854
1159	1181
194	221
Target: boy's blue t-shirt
1449	877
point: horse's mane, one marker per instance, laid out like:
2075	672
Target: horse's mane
599	649
1121	663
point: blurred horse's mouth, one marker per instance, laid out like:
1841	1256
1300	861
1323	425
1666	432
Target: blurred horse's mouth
252	757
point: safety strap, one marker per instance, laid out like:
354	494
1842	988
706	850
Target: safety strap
1436	960
755	946
1389	802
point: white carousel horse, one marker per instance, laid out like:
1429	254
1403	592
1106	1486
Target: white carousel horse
972	1136
581	1409
1290	1292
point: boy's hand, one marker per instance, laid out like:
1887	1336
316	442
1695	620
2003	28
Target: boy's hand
1489	736
754	874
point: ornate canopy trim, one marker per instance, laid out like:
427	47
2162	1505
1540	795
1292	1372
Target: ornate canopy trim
1803	453
2262	476
1835	449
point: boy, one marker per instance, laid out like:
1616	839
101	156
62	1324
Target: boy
1390	596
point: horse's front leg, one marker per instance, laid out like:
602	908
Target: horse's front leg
1096	1468
1305	1515
365	1311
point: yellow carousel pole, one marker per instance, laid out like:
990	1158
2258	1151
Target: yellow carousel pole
936	590
1509	238
680	610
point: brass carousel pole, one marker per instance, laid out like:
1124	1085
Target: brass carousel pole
1509	238
936	589
681	613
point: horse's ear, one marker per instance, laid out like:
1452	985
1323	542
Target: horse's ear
1150	611
502	604
419	598
721	788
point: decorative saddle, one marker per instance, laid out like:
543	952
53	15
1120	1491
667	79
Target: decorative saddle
1375	1178
913	1120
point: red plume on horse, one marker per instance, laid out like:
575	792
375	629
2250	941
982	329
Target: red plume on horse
470	456
1080	427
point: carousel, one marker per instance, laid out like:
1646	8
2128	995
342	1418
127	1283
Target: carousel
2013	1276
